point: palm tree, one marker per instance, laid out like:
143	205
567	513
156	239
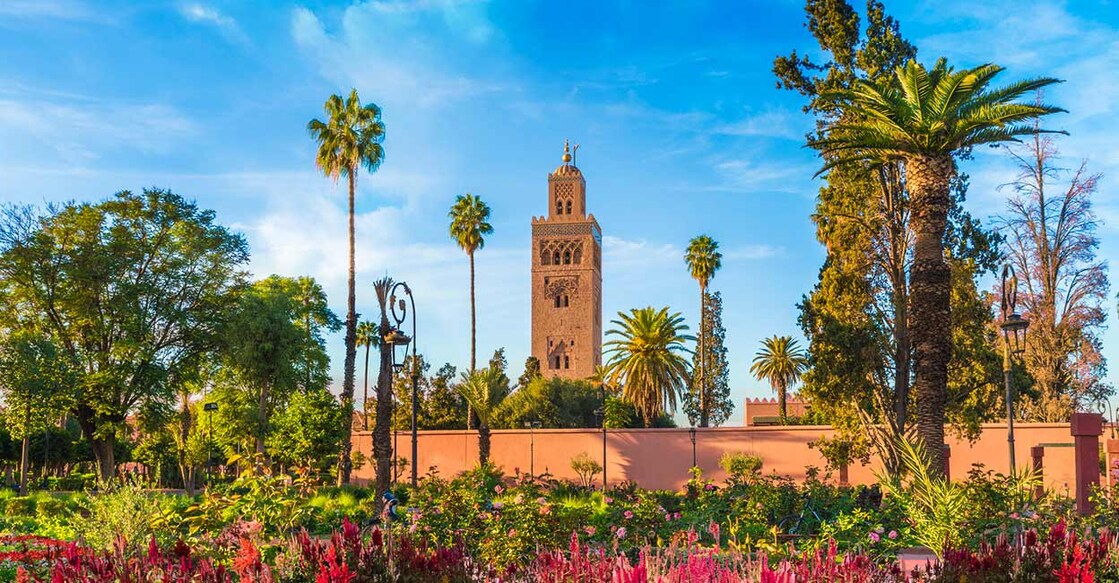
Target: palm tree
368	336
781	361
646	359
703	260
350	139
923	118
469	226
484	391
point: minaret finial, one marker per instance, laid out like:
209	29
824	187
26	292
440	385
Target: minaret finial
566	152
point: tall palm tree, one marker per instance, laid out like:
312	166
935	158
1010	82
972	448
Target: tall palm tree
484	391
923	117
469	226
349	139
368	336
781	361
646	359
703	260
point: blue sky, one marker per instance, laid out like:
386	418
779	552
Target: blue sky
681	128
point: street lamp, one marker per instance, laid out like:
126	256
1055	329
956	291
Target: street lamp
531	425
691	433
1014	342
600	413
399	309
209	408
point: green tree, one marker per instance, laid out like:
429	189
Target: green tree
37	384
485	392
350	139
716	370
469	226
857	317
554	402
646	359
368	336
703	260
443	406
133	288
268	348
924	118
531	373
308	431
780	362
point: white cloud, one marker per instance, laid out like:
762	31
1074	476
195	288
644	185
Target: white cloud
210	16
773	123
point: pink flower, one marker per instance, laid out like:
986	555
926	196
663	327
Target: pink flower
498	506
512	532
608	500
874	537
709	487
589	530
621	532
541	501
520	498
676	516
668	517
545	510
628	514
893	534
498	489
1014	515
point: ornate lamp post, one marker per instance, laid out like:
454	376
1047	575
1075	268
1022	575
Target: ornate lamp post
399	309
532	425
601	414
1014	342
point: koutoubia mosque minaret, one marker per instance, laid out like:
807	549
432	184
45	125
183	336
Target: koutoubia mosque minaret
567	278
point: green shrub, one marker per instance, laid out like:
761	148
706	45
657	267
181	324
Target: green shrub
120	510
586	467
49	506
740	466
21	506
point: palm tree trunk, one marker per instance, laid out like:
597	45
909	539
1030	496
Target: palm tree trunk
365	394
382	426
483	444
930	288
347	396
473	337
703	404
782	401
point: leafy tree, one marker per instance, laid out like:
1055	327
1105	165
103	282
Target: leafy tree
308	432
133	288
555	402
485	392
350	139
646	359
443	407
531	373
469	227
781	362
268	348
703	260
1050	229
37	385
716	370
368	336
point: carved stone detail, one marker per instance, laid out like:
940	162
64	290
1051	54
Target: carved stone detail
557	286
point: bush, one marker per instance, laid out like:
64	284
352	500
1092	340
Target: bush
740	466
50	507
120	511
586	467
21	506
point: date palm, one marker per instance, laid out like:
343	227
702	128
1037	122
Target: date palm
703	260
368	336
646	359
484	391
469	227
781	362
349	140
924	117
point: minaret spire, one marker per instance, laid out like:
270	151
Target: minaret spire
566	152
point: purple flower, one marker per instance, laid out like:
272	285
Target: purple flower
621	532
874	537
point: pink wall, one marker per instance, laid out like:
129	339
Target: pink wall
660	458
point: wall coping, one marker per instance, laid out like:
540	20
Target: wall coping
732	429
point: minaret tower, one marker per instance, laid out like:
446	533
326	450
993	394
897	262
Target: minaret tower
567	278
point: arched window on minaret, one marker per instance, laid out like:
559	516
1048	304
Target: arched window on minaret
566	361
568	207
578	257
557	301
567	257
556	258
556	363
566	300
559	207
